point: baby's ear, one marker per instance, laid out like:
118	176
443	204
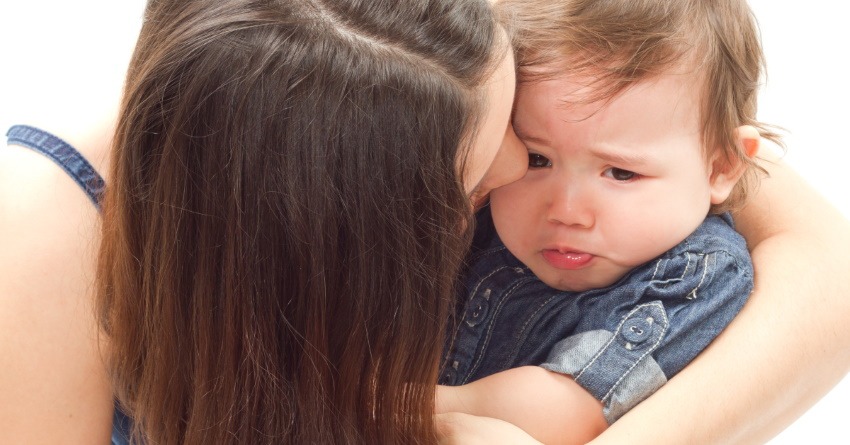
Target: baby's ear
726	172
749	138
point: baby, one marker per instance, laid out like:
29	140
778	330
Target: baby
612	263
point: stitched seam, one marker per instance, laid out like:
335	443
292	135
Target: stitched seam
451	351
487	277
533	315
23	135
614	337
704	273
608	343
491	326
635	363
657	265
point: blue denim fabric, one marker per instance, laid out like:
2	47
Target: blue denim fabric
73	162
621	343
63	154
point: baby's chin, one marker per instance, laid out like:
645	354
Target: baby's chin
577	281
569	286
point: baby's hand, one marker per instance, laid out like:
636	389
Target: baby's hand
528	401
450	399
466	429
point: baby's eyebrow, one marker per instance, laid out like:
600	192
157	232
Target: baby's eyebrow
520	133
620	157
613	155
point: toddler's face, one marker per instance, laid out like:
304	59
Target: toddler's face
610	186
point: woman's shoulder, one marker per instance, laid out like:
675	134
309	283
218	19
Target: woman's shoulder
54	387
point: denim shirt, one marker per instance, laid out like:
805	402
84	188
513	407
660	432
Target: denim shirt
620	343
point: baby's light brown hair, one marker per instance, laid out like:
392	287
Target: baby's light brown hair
621	42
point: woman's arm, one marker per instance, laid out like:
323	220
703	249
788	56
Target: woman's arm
787	347
53	384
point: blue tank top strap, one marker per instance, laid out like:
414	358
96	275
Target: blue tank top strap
63	154
121	427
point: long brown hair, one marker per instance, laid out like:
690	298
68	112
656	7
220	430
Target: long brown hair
284	221
621	42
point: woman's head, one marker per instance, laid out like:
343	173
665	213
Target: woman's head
282	231
496	156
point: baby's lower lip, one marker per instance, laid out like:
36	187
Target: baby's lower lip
567	260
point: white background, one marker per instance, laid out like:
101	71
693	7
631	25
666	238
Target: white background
62	64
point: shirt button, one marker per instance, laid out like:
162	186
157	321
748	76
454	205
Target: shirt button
476	312
448	377
637	330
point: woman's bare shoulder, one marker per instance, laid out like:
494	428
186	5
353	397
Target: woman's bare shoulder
53	386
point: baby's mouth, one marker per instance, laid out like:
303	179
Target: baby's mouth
567	260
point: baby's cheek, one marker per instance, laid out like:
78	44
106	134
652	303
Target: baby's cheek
515	219
653	236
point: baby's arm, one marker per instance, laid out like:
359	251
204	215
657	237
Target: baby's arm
550	406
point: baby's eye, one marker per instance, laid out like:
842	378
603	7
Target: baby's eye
538	161
618	174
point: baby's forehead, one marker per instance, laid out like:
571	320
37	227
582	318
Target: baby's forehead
679	89
554	113
603	84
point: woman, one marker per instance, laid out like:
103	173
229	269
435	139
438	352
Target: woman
287	208
286	201
64	330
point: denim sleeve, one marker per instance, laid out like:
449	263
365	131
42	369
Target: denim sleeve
634	341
